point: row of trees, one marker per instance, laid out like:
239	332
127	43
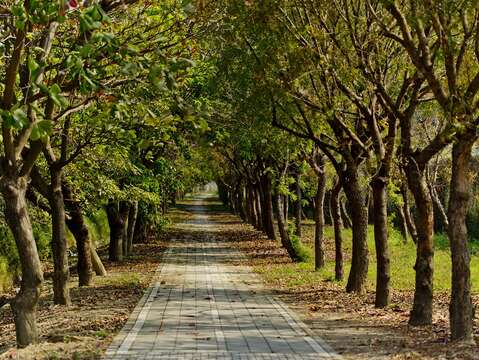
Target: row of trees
96	104
381	92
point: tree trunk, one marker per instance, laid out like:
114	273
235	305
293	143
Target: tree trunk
252	206
297	204
411	226
319	221
346	219
403	224
461	310
440	207
379	186
61	274
76	225
18	220
421	313
131	225
97	263
283	230
268	207
116	220
337	224
356	195
258	209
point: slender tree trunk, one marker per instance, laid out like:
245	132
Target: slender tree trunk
97	263
76	225
411	226
356	195
283	230
346	219
268	207
286	208
379	186
259	210
252	205
126	213
297	204
131	225
461	310
337	224
421	313
440	207
18	220
403	224
61	274
319	221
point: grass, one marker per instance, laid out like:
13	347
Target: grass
402	255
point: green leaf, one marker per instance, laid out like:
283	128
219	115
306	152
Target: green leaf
41	130
55	94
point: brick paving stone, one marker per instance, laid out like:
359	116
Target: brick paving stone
202	307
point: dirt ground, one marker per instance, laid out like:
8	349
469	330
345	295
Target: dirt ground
85	329
348	322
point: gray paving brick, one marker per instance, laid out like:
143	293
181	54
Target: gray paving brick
202	307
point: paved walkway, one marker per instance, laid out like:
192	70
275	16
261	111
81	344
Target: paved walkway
202	307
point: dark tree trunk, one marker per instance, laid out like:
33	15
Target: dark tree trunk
297	204
283	230
411	226
117	215
356	195
268	207
252	206
18	220
421	313
319	221
78	228
461	310
131	225
61	274
286	208
337	224
379	186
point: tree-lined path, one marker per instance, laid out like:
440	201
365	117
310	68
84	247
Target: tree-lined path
203	306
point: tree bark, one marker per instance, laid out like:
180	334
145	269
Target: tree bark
116	214
297	204
131	225
346	219
268	207
411	226
337	224
379	186
61	274
283	230
97	263
78	228
461	310
258	209
421	313
356	196
25	302
440	207
319	221
403	224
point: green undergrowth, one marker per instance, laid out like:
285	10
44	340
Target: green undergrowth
403	256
